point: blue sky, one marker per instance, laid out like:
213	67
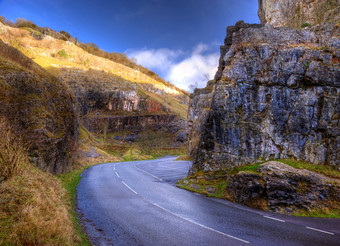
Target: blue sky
178	39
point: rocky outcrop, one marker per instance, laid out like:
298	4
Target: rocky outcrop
40	109
285	189
100	123
96	90
112	103
294	13
108	103
276	95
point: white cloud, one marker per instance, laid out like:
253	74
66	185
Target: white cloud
161	59
193	69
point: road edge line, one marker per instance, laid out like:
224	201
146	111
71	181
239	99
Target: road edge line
314	229
203	226
148	173
129	188
272	218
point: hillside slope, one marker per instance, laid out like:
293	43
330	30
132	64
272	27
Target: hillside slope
59	57
112	98
40	108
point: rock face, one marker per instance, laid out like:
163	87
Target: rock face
108	103
96	92
294	13
40	108
285	189
276	95
126	122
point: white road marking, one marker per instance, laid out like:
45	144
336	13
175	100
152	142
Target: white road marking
129	187
114	167
117	174
206	227
268	217
149	173
314	229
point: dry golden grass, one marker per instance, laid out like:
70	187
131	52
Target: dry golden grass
45	51
34	209
13	154
96	69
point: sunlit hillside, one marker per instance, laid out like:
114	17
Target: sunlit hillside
58	56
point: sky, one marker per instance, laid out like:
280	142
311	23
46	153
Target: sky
177	39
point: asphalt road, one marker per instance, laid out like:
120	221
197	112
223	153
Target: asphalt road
136	203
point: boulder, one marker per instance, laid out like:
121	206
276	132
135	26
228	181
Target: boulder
285	189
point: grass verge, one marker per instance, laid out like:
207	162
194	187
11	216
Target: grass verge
70	182
34	210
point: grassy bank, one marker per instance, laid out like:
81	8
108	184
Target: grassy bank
70	182
214	184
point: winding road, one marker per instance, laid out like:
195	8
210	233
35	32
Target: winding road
136	203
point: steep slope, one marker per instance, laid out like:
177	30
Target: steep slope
40	108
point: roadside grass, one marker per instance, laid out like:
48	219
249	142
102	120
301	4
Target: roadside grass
34	210
135	154
320	169
201	181
320	213
184	157
70	182
33	204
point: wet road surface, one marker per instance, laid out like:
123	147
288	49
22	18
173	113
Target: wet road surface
136	203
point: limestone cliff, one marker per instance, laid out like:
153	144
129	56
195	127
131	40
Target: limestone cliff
108	101
294	13
276	95
40	108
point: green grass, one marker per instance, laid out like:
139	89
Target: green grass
62	53
335	213
220	190
70	182
321	169
246	168
306	24
184	157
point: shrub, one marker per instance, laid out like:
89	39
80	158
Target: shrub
62	53
21	22
65	34
306	24
13	153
